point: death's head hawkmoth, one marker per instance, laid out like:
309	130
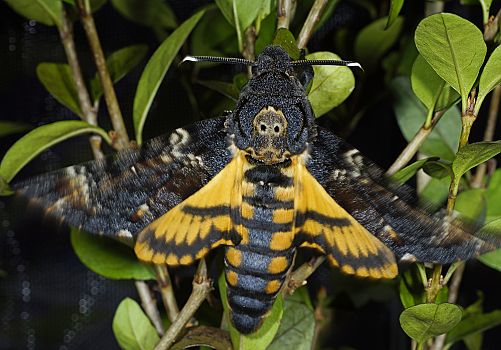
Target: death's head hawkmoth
262	182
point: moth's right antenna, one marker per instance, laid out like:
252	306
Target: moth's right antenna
224	60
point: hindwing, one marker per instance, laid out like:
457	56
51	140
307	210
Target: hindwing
323	224
201	222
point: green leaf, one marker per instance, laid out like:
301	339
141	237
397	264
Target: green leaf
474	154
40	139
58	80
285	39
132	328
435	193
493	194
155	71
297	327
441	39
213	36
119	63
443	140
425	321
438	169
374	41
471	204
264	335
492	259
241	14
395	7
411	288
425	83
108	257
267	32
150	13
8	128
226	89
403	175
490	77
48	12
473	324
331	84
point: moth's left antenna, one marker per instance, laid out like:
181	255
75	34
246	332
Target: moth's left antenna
327	63
224	60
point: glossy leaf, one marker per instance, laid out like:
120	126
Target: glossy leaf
150	13
265	334
441	39
108	257
374	41
492	196
438	169
9	128
297	327
474	154
492	259
395	7
404	174
490	77
48	12
286	40
40	139
331	84
155	71
119	63
424	321
58	80
425	83
132	328
473	324
411	114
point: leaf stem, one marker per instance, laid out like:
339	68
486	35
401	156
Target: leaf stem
202	286
299	276
122	139
435	284
285	13
167	292
149	305
413	146
89	113
310	22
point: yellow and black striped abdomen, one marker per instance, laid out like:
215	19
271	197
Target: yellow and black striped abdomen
257	267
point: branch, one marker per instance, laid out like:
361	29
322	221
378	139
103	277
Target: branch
299	276
149	305
413	146
166	291
89	113
202	285
285	14
309	25
122	139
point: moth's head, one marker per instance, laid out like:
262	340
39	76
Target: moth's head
273	119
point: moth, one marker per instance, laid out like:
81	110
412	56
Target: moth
261	182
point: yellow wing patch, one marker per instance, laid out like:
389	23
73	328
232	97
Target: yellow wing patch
326	226
201	222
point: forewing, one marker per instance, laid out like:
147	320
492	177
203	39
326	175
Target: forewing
323	224
201	222
120	195
386	209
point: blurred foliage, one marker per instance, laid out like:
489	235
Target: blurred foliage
422	65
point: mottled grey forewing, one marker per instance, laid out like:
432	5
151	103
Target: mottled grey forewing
388	210
120	195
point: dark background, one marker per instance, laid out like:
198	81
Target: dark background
49	300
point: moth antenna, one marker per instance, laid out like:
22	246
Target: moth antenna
327	63
224	60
